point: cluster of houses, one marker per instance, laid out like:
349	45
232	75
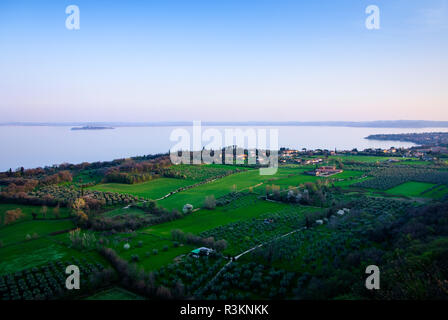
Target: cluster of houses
325	171
302	156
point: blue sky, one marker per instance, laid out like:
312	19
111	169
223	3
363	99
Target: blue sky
223	60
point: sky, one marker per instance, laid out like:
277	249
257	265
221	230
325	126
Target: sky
215	60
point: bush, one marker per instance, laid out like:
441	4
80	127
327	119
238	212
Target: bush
165	248
210	202
155	251
13	215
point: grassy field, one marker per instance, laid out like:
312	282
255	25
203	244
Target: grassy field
285	177
241	181
18	231
436	193
196	222
37	252
143	246
153	189
27	210
410	189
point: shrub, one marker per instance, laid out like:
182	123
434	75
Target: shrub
165	248
155	251
221	245
178	235
210	202
13	215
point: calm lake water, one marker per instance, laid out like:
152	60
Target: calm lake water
30	146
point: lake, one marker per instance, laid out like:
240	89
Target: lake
37	146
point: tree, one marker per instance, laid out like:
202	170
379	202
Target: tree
78	206
307	222
44	211
210	202
179	289
56	211
178	235
12	215
150	206
221	245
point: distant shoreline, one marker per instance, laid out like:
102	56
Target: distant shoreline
91	128
411	124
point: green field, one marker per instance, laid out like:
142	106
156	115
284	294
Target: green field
196	222
436	193
143	245
241	181
153	189
27	210
18	231
285	177
38	252
410	189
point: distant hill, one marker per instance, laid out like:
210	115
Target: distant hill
424	138
91	128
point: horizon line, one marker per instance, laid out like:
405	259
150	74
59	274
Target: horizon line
336	123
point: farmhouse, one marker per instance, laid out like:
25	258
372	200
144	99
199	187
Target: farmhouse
314	161
324	171
199	252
